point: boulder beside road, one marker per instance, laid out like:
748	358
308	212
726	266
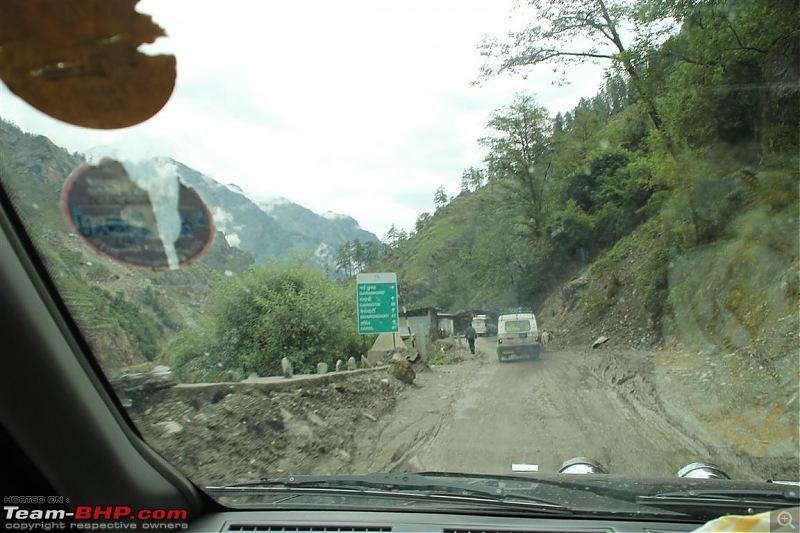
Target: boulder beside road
134	385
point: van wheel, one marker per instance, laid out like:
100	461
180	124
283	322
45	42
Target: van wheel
501	358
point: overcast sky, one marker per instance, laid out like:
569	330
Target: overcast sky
361	107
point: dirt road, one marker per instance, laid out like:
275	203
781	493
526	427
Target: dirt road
481	416
643	413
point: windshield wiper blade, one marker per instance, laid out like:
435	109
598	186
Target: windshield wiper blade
408	485
724	497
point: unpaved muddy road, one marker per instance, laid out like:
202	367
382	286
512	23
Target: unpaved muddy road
642	413
482	416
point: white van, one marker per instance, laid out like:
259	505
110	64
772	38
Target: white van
518	335
483	326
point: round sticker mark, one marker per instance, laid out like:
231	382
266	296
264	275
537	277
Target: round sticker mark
138	214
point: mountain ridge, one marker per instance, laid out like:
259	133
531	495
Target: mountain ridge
267	228
278	229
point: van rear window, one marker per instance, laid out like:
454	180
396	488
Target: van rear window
515	326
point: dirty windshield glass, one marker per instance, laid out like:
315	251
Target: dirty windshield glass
514	326
276	223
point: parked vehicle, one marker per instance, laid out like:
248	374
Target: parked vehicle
518	336
483	326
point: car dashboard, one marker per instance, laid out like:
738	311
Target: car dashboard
428	522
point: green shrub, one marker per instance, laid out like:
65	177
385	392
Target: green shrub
272	312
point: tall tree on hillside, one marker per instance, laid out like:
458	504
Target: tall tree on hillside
465	185
344	259
585	121
597	23
356	256
390	237
617	92
732	71
471	179
440	199
519	155
422	220
402	237
359	255
372	252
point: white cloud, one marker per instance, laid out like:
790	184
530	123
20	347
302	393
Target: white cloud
223	221
349	106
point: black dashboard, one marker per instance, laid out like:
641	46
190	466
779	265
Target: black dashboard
418	522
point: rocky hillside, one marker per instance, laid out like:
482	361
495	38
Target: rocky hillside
735	296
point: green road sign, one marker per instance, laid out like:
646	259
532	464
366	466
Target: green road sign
377	303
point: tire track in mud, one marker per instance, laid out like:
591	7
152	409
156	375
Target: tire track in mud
419	416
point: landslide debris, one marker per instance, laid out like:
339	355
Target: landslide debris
228	433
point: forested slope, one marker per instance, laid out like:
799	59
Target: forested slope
665	208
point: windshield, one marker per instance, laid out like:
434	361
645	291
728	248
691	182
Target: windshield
275	223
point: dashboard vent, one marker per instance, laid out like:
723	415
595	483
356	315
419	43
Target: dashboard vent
341	528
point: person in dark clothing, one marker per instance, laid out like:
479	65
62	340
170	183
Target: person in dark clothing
470	334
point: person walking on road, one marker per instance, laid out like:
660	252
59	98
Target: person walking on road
470	334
